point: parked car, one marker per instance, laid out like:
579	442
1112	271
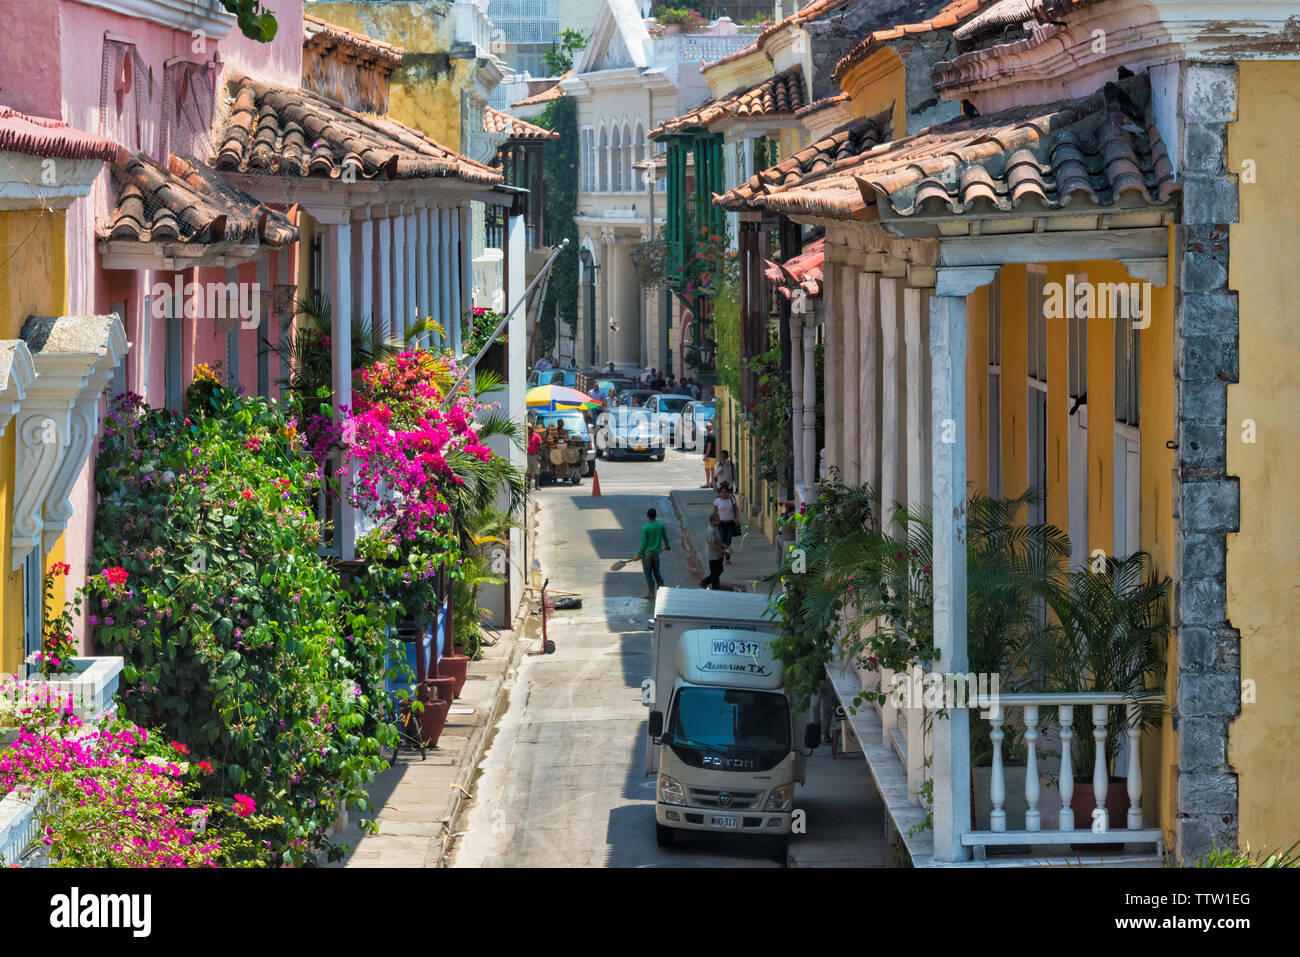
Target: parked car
631	431
576	423
667	410
642	396
564	377
694	417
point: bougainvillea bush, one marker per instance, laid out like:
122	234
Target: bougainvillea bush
238	638
405	446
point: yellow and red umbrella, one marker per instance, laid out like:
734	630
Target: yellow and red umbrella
553	398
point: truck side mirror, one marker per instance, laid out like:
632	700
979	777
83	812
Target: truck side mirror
812	736
656	724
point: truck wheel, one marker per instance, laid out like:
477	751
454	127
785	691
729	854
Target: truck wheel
664	835
781	849
659	457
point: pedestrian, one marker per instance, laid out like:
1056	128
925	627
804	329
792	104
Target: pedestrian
695	390
654	540
724	507
717	554
610	370
594	392
725	473
710	454
543	364
534	457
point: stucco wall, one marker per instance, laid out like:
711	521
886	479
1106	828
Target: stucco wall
31	283
425	89
1263	586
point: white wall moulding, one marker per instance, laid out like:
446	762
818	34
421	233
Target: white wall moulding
74	358
206	15
16	375
26	181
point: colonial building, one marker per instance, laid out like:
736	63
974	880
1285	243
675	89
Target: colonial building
627	82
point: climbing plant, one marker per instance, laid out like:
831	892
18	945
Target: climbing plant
560	174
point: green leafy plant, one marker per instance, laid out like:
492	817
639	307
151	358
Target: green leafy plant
254	20
560	167
1107	633
770	411
1242	857
237	637
559	58
58	647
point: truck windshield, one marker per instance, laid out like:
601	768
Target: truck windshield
731	719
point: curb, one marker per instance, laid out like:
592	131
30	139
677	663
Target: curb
469	766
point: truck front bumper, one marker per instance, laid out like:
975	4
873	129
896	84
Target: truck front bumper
706	819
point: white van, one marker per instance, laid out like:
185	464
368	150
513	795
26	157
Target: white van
723	737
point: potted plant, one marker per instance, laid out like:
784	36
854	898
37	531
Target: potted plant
1107	634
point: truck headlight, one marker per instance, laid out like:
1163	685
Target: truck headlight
781	798
670	792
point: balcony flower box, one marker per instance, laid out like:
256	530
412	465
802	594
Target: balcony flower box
18	825
93	686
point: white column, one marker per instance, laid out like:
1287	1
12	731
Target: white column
385	227
422	271
832	399
796	392
444	304
915	402
400	266
366	293
458	306
467	258
433	258
850	373
810	401
339	260
868	373
888	400
412	267
952	812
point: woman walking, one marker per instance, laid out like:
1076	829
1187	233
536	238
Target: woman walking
710	454
724	510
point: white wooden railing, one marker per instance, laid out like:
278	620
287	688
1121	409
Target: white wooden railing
1099	829
904	736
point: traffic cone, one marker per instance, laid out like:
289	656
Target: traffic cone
595	482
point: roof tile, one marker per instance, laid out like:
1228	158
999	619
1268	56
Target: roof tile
777	95
42	136
187	204
326	36
545	96
293	132
1102	149
944	19
494	121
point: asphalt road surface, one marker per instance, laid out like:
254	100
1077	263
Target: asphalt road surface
562	784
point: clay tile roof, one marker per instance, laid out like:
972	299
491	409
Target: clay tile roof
327	36
778	95
292	132
548	94
187	204
1100	150
805	14
821	162
945	19
1002	14
824	103
799	272
42	136
494	121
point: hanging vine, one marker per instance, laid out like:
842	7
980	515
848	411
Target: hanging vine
560	174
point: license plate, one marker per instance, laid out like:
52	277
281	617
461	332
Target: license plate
727	822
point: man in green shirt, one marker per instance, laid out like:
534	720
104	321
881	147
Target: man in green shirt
654	539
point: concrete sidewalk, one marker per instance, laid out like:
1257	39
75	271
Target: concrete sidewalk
753	557
416	800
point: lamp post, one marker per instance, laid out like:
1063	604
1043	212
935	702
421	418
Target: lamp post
589	268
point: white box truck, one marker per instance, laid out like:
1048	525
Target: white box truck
723	737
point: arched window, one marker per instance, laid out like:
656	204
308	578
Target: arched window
616	158
638	155
603	159
589	161
625	157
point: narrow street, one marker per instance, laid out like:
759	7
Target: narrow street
562	782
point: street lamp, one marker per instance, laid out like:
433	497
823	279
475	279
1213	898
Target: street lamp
589	268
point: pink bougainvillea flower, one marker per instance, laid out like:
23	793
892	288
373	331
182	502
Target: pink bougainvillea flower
180	748
205	767
247	493
116	575
245	806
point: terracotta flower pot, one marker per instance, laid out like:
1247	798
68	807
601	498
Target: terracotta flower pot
1083	802
456	667
436	695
